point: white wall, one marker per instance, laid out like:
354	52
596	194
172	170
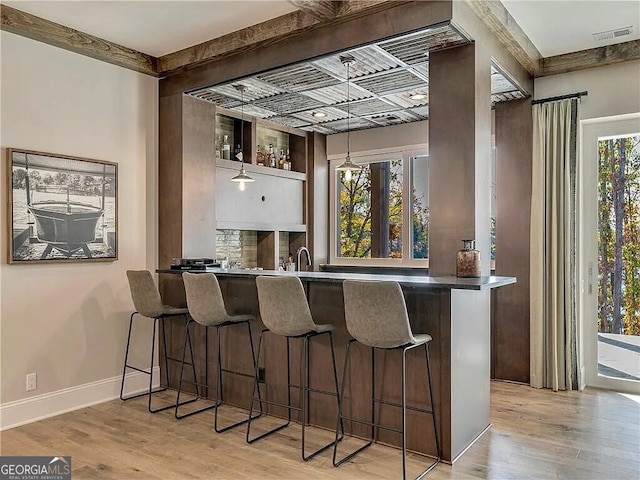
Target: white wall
67	322
416	133
613	89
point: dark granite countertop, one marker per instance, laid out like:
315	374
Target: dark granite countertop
448	282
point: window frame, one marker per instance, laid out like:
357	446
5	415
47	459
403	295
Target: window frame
371	156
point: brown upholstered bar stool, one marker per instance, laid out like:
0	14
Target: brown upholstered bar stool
284	311
148	303
376	316
206	307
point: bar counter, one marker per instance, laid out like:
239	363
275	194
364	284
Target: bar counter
454	311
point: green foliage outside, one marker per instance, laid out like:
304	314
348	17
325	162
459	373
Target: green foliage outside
355	216
619	236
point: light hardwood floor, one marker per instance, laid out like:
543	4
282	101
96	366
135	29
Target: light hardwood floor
536	434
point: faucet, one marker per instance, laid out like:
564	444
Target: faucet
299	254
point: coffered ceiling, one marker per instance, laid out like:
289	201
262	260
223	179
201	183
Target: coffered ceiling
389	84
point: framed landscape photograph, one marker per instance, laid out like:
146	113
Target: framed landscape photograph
61	208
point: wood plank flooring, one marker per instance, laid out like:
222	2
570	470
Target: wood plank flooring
536	434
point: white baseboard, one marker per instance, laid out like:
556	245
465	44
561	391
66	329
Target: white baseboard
32	409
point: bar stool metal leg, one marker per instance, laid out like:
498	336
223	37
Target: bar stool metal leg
220	389
402	405
149	393
187	340
261	401
305	389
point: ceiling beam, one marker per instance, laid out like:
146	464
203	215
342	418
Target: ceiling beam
594	57
270	31
320	9
36	28
496	17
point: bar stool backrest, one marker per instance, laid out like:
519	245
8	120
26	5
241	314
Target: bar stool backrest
283	306
204	298
376	313
144	293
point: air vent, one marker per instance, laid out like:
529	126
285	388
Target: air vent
619	32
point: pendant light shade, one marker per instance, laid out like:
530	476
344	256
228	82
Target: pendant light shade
242	177
348	166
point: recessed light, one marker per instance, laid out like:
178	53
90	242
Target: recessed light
319	114
418	96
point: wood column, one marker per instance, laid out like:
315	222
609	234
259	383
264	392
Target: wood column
459	147
186	223
510	322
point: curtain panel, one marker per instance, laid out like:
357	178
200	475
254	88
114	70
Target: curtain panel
554	342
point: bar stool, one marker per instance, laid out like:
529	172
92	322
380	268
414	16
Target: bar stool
206	307
147	302
284	311
376	316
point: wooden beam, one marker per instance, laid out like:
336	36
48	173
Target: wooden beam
36	28
386	20
594	57
319	9
496	17
268	32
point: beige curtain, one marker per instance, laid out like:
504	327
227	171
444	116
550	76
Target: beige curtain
554	355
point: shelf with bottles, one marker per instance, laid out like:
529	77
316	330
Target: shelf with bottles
280	147
229	135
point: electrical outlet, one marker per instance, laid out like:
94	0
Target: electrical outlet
261	374
32	382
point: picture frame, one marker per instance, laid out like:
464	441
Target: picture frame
61	208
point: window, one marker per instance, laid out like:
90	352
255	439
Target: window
376	216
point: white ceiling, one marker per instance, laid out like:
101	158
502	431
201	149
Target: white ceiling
155	27
556	27
159	27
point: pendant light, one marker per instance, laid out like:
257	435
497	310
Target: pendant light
348	166
242	177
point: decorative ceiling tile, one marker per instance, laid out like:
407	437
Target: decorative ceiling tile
415	48
320	128
251	110
404	99
289	121
421	112
368	107
220	100
298	77
338	94
393	118
507	96
330	114
367	60
395	81
499	84
255	90
383	78
355	123
288	103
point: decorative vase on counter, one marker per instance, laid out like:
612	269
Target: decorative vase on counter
468	260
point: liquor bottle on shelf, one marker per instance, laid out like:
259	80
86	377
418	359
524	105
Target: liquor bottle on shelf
218	149
237	151
226	148
272	157
287	161
260	156
281	160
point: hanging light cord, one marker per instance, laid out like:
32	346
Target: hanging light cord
242	127
348	114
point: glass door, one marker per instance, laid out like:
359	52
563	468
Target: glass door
610	253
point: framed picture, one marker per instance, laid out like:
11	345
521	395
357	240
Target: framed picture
61	208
